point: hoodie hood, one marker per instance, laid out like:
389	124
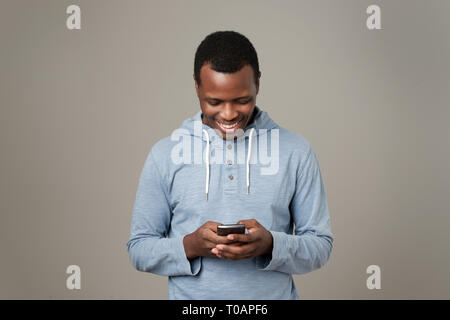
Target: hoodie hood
193	125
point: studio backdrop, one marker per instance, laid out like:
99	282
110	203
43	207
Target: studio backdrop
85	94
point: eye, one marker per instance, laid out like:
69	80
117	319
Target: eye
213	103
244	102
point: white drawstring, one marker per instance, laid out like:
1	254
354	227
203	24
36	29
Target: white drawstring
249	153
207	163
248	158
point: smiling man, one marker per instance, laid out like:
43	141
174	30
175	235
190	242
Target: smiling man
285	211
227	100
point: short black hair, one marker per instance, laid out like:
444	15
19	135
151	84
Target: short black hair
227	52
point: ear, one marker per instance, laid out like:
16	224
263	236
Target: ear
257	83
195	84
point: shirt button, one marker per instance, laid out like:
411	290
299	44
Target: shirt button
229	162
230	177
229	147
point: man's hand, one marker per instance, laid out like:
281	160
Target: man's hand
200	242
256	242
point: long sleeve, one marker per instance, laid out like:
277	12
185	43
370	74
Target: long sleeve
149	248
311	245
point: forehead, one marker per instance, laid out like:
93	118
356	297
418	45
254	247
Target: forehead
223	85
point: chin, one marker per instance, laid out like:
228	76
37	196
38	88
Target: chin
231	136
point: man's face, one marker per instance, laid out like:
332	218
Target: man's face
227	100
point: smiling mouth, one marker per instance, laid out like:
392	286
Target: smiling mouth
229	127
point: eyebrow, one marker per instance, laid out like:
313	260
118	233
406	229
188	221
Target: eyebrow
239	98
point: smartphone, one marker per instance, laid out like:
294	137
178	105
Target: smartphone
226	229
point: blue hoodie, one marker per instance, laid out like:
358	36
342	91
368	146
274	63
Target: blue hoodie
269	174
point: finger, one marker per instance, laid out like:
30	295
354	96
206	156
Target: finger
224	240
236	250
212	225
217	253
249	237
228	256
233	255
209	235
249	223
210	244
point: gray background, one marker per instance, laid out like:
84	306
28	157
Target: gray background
81	109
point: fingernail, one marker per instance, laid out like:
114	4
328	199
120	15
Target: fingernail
230	237
214	251
219	246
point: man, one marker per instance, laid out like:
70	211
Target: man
188	188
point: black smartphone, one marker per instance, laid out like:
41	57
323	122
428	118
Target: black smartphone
226	229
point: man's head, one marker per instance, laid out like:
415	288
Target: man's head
226	76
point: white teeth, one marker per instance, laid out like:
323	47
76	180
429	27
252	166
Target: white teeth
228	126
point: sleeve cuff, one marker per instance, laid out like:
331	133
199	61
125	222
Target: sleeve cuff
186	266
267	262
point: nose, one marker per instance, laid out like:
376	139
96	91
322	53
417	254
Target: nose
229	112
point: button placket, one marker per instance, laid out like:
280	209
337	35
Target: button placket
230	176
229	154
